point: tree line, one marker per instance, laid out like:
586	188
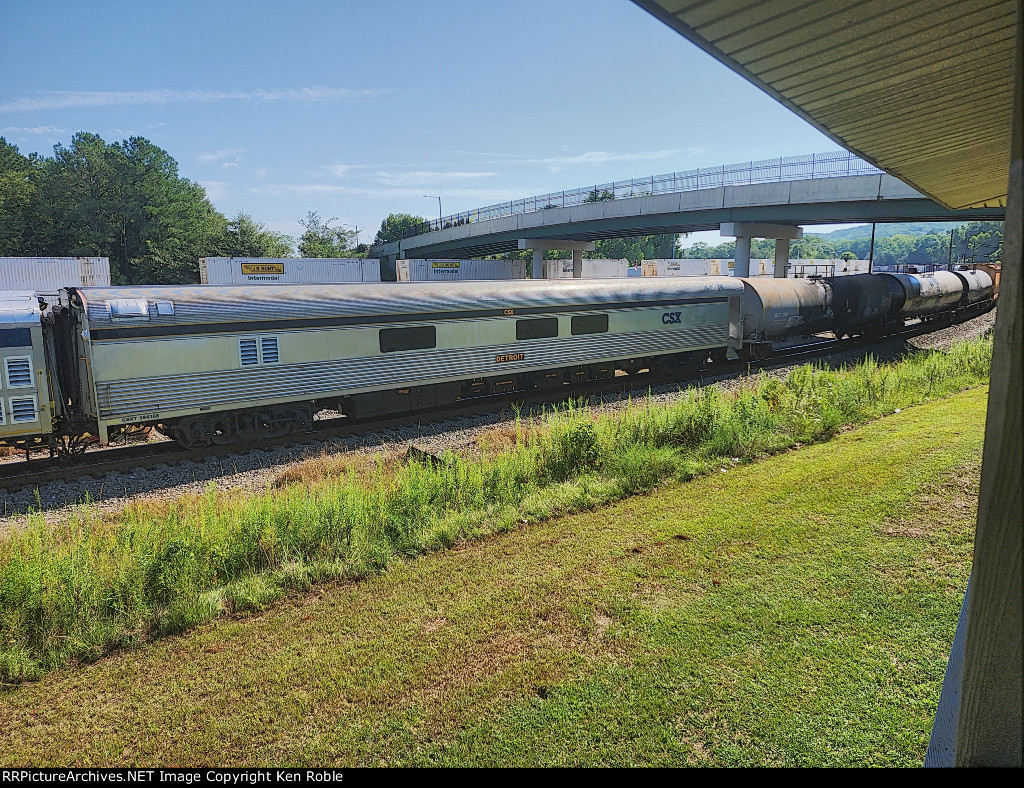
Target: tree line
127	201
972	242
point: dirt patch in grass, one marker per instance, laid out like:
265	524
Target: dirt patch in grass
361	468
940	506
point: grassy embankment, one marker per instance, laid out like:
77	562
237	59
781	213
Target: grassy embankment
795	611
76	590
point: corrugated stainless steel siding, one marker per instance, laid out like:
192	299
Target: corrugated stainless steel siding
224	304
242	387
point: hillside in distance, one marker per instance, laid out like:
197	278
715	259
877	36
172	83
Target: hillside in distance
885	230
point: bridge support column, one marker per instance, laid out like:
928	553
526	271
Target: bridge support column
781	258
541	245
538	271
744	231
577	263
741	264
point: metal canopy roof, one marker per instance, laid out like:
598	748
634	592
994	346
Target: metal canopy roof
922	89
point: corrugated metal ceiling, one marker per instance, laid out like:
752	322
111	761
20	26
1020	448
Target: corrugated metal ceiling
922	89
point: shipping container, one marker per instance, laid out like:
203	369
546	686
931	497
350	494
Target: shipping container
287	270
45	276
417	270
686	267
759	267
592	269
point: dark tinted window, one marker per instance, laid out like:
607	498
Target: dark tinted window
589	324
537	329
416	338
15	337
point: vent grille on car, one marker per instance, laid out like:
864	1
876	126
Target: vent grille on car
248	351
23	409
268	346
19	372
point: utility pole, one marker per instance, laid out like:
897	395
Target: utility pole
871	250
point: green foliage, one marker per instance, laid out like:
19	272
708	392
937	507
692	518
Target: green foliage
124	201
599	196
322	240
246	237
79	588
18	184
974	241
394	227
637	249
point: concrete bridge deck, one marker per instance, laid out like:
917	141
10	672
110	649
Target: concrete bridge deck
829	200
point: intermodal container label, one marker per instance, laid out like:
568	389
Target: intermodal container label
454	264
262	268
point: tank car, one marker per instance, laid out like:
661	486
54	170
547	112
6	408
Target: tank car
776	309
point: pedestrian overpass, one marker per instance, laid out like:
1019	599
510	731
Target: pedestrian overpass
771	198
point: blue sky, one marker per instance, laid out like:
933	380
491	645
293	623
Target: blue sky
359	108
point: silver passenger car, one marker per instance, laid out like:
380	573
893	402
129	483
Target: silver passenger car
216	364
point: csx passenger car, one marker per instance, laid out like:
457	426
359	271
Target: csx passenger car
222	364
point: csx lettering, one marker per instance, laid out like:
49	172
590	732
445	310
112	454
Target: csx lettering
671	317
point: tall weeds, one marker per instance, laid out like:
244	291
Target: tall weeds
75	590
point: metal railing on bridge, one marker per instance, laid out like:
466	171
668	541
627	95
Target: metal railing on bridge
787	168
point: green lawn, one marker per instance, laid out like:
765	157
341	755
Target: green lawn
795	611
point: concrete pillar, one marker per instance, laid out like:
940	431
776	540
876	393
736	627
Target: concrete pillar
744	231
541	245
781	258
742	256
577	263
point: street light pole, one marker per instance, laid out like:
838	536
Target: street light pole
356	228
440	220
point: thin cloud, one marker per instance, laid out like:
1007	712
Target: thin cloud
47	130
215	190
220	155
339	170
425	177
371	193
63	99
558	163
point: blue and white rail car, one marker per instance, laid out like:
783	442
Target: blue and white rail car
221	364
25	410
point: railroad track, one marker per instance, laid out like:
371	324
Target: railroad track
15	476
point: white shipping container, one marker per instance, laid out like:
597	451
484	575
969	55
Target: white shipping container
687	267
287	270
759	266
592	269
45	276
418	270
